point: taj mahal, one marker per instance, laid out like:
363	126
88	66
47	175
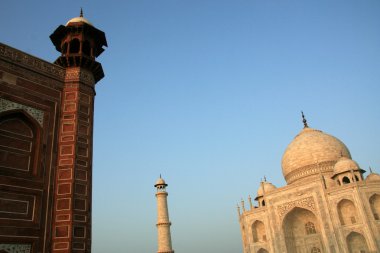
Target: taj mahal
326	206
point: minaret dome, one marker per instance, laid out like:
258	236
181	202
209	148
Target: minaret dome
79	43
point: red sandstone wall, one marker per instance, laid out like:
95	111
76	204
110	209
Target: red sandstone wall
30	105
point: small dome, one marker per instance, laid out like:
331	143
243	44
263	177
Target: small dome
345	164
160	182
265	187
373	177
79	20
310	149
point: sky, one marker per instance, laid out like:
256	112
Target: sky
209	93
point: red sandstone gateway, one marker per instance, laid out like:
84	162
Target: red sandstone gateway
46	131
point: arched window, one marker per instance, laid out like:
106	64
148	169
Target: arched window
74	46
374	202
346	180
258	232
356	178
356	243
294	229
19	144
310	228
315	250
263	203
347	212
262	251
86	48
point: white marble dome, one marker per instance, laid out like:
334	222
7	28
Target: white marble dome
79	20
310	151
373	177
265	187
345	164
161	182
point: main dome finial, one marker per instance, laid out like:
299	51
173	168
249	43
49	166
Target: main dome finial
304	120
81	12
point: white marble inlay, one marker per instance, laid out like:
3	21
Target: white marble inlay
16	248
6	105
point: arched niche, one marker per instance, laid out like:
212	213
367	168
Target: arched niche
356	243
347	212
374	202
301	229
258	232
262	250
19	143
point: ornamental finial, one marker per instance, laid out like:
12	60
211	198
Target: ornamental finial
81	12
304	120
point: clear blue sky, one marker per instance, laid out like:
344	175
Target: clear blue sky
208	93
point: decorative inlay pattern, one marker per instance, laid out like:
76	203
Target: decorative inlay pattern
307	203
6	105
310	170
16	248
14	55
33	76
78	74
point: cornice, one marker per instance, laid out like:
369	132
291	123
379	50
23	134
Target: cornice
30	62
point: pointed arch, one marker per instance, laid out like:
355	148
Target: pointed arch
374	202
258	232
300	227
19	143
347	212
356	243
262	250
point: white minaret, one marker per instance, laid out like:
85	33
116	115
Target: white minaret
163	223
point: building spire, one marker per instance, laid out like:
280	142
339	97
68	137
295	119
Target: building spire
238	209
304	120
370	169
242	205
250	202
81	12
